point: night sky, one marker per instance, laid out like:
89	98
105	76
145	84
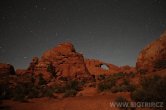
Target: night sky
110	30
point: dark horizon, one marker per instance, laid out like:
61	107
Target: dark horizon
113	31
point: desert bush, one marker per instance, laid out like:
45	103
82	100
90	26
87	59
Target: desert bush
63	78
49	92
70	88
131	75
59	89
51	70
106	84
101	77
152	89
42	81
73	85
119	75
24	91
70	93
5	92
123	88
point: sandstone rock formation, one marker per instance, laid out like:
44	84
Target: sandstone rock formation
65	61
128	69
96	67
6	69
153	56
62	59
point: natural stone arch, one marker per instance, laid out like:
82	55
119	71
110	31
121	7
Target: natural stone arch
104	66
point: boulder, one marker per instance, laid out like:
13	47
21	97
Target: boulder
6	69
64	61
153	56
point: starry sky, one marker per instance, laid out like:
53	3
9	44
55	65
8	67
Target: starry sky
110	30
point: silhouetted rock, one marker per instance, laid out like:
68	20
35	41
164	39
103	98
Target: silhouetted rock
6	69
153	56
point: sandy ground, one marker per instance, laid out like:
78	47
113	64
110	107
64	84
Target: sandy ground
99	102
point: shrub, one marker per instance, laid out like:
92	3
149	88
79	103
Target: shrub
23	91
73	85
126	86
5	91
139	94
63	78
59	89
101	77
119	75
152	90
42	81
49	92
123	88
51	70
106	85
70	93
131	75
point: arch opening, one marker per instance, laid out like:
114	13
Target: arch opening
104	66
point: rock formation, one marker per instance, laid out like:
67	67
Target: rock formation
96	67
6	69
153	56
128	69
63	60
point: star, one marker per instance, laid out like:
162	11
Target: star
25	57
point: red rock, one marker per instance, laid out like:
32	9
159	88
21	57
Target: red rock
96	67
6	69
64	60
21	71
34	62
153	55
59	52
128	69
41	68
